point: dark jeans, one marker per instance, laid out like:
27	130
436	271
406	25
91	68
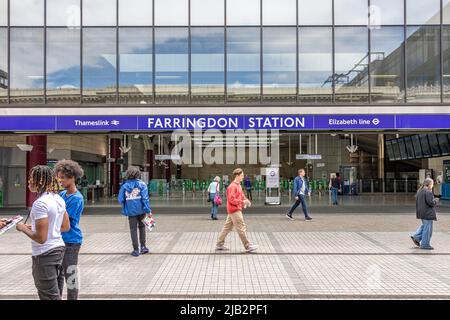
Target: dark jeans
46	269
135	223
249	194
301	200
69	272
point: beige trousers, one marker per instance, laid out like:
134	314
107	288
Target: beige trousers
235	219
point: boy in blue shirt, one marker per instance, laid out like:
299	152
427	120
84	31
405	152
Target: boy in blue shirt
68	172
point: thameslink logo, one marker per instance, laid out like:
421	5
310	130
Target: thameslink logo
96	123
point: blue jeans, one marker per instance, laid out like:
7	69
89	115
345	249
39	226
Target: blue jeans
334	195
301	200
423	234
214	208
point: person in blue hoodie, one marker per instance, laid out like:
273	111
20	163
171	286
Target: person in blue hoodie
68	172
133	196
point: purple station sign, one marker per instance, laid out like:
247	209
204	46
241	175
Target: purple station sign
223	122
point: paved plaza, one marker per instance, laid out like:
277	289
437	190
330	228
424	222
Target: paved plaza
334	256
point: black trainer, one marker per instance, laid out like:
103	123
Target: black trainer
417	243
308	218
289	216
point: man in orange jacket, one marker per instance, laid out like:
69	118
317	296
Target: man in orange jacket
236	200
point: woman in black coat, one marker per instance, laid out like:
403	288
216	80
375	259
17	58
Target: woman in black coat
425	210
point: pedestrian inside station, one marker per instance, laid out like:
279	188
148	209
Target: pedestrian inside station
373	167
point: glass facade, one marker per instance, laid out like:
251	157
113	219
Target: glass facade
224	51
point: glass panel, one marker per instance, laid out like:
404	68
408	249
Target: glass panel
386	12
434	145
99	65
279	65
351	61
135	12
446	56
64	13
351	12
409	147
423	64
426	150
207	12
27	12
27	65
136	76
387	70
207	65
3	12
3	65
171	12
315	12
417	146
99	13
315	65
402	145
243	64
396	148
279	12
172	68
63	65
390	151
446	12
423	12
242	13
444	143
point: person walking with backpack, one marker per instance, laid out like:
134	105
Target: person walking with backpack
301	189
133	196
236	202
68	172
426	211
335	187
248	187
48	219
213	191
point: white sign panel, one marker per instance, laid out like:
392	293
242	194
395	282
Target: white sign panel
320	165
308	156
272	177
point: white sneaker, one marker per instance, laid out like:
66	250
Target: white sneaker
251	248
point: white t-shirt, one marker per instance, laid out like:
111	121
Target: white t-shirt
214	187
51	206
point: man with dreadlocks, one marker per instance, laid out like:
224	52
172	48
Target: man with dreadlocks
133	196
67	173
48	219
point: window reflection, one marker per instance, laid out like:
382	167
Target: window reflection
423	64
315	12
99	65
171	49
243	64
279	64
99	13
3	12
423	12
243	13
64	13
351	12
446	56
387	64
135	12
171	12
446	12
315	65
136	63
351	60
386	12
279	12
207	65
27	12
3	65
207	12
63	65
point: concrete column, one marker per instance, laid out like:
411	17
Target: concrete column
114	167
150	162
381	156
37	156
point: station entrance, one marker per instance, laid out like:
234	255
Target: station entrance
178	166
